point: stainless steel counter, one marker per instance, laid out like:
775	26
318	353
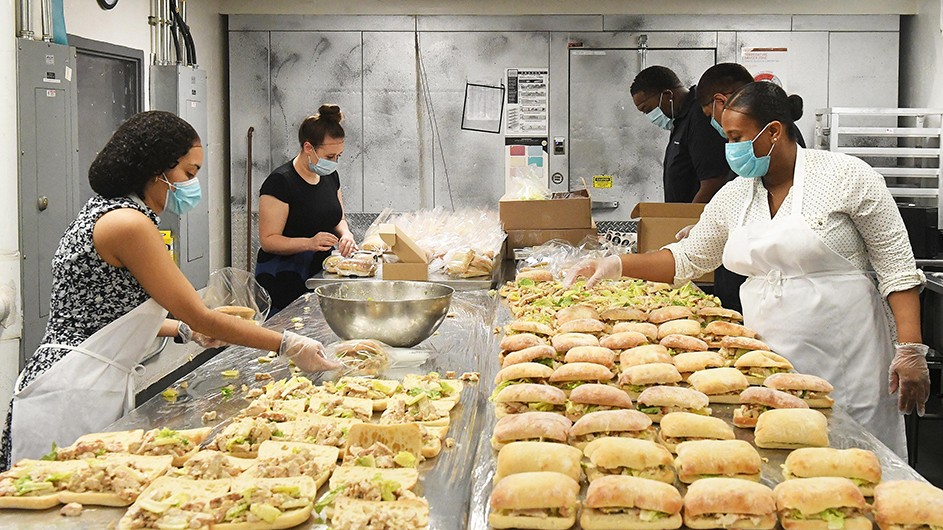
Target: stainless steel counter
464	339
457	482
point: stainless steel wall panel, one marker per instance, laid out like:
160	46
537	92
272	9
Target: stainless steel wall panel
806	72
322	23
846	23
656	39
249	91
391	119
309	69
863	69
655	23
609	136
510	23
727	50
475	167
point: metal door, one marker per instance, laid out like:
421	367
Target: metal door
608	136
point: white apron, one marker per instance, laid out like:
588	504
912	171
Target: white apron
86	390
818	310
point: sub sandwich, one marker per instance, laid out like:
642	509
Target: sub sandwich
645	328
591	354
623	314
680	427
647	354
660	400
595	397
611	424
672	312
729	503
721	385
733	347
824	503
814	390
858	465
572	375
517	503
677	343
631	503
543	354
717	458
686	327
791	429
525	457
583	325
637	379
623	340
756	400
529	397
757	365
566	341
629	457
531	427
689	362
908	505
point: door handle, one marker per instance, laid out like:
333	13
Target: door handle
43	203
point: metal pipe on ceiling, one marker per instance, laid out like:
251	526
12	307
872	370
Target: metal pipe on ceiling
25	31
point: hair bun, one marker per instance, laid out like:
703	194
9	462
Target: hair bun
795	106
331	113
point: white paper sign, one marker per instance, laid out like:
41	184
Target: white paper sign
527	101
766	64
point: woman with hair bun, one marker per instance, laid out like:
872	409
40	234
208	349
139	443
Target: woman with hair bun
301	211
805	226
113	284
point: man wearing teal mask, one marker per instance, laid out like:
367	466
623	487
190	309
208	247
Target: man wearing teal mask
694	166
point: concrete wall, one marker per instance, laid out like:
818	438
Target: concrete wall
921	61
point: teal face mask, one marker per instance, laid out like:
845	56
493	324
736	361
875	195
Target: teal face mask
744	162
182	197
658	117
716	125
323	168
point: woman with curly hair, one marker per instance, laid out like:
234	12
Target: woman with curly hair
113	285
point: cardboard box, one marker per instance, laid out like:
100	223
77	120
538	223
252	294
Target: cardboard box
569	213
532	238
412	264
404	271
659	222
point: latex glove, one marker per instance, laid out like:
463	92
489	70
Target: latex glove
598	269
910	375
307	354
323	241
206	341
684	232
346	245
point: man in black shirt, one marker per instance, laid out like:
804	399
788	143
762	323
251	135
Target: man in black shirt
695	166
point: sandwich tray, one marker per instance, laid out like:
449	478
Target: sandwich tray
844	433
442	479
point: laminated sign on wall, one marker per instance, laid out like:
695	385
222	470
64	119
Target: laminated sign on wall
766	64
527	102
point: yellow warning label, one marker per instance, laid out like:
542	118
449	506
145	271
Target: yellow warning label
168	237
602	181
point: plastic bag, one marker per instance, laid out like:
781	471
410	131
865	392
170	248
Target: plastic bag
235	287
558	256
372	358
527	184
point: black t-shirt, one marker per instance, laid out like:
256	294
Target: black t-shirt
312	208
695	152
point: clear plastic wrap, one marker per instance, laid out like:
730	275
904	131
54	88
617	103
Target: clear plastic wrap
558	256
235	287
527	184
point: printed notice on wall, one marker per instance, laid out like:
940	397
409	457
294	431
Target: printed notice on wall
527	101
766	64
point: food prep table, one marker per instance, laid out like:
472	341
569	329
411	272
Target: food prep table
458	482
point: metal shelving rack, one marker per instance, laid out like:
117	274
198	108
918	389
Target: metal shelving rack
916	150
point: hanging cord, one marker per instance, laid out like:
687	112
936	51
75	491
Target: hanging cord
185	32
433	122
173	33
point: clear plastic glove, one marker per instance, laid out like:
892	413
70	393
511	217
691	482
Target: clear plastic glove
607	268
684	232
323	241
346	245
909	374
307	354
206	341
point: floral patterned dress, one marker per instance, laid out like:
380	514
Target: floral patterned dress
87	295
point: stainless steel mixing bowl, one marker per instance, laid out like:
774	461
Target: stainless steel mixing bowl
398	313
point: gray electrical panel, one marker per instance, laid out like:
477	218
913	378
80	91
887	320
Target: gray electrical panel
182	90
48	167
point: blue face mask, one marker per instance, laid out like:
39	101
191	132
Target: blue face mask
323	168
182	197
716	125
658	117
744	162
